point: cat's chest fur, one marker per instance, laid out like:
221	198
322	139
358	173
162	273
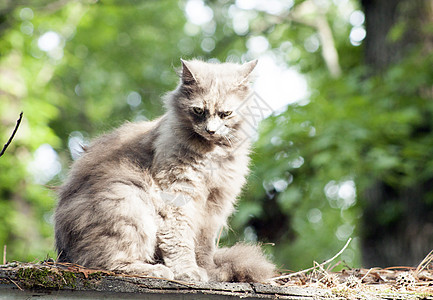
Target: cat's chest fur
213	177
222	174
218	167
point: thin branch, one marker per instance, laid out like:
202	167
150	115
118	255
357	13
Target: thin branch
321	25
314	267
13	134
329	51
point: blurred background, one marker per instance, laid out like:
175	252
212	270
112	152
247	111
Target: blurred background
347	151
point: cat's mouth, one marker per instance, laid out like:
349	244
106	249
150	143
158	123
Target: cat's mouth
218	139
220	136
210	136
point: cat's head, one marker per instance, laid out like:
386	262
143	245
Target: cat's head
208	98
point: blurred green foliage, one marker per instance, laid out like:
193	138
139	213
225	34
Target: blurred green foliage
114	59
353	131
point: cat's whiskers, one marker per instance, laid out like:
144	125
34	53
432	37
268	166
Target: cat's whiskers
228	140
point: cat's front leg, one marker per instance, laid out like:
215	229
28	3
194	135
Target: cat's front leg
205	245
176	242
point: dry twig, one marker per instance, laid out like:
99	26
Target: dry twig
366	274
17	285
13	134
314	267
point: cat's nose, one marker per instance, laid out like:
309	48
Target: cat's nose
210	131
212	125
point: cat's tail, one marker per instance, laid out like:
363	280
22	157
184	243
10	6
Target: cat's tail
242	263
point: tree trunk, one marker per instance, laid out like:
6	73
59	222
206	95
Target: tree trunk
394	27
397	226
397	223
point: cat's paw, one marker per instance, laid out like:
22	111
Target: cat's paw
140	268
192	274
161	271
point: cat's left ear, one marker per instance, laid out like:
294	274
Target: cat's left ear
246	70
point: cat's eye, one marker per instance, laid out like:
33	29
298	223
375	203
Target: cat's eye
225	114
198	110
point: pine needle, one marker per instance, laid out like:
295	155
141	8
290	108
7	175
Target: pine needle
219	237
424	263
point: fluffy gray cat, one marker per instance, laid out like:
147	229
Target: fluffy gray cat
150	198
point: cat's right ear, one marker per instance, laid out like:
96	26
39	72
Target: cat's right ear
187	76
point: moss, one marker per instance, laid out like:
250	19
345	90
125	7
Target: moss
46	278
88	284
95	276
70	278
91	281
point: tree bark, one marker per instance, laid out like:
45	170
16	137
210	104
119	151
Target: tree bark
397	224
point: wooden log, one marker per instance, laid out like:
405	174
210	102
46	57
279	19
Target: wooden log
21	281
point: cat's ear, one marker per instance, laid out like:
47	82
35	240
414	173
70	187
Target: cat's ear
246	70
187	75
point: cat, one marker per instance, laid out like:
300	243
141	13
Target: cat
151	197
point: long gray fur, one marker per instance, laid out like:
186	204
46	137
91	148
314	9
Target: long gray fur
150	197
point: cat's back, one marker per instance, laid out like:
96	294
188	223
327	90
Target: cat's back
123	153
130	137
